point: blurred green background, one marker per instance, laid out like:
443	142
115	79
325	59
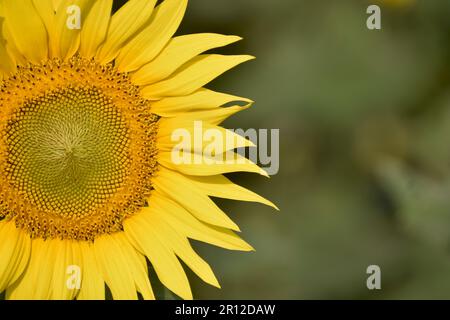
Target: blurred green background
364	118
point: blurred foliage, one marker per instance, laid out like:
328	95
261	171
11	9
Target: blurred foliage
364	176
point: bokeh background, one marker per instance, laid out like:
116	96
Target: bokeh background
364	119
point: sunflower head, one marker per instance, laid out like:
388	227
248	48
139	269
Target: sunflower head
87	179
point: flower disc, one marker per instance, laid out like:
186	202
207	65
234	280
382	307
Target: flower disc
73	168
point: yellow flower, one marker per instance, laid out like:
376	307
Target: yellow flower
87	179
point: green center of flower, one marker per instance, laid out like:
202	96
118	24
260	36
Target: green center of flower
67	150
77	149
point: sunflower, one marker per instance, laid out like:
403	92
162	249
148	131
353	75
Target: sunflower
87	177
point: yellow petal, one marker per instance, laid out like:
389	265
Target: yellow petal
183	191
221	187
201	100
147	44
67	41
27	29
197	137
177	52
183	249
15	248
94	29
213	116
46	11
114	267
92	285
56	4
137	265
193	75
66	254
7	64
185	222
46	275
177	241
164	261
124	24
202	165
11	48
36	281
